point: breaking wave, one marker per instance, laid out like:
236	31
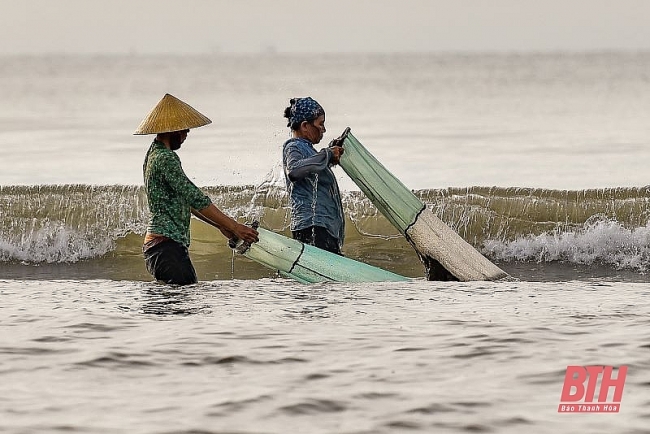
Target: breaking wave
71	223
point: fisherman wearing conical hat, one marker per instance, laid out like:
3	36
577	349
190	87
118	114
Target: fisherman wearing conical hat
173	197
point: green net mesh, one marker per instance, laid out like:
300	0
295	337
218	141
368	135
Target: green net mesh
444	253
308	264
396	202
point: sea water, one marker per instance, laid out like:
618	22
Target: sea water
536	160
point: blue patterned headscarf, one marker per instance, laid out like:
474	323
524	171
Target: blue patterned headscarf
302	109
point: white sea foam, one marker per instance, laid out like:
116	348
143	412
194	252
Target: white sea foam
600	241
53	243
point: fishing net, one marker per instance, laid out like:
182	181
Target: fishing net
444	253
308	264
396	202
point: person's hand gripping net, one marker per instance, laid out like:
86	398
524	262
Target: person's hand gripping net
241	244
336	146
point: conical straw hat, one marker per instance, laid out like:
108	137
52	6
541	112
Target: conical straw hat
171	114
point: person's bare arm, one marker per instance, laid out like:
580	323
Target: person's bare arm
229	228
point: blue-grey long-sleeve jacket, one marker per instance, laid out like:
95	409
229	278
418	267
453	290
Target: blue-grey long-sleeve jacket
304	168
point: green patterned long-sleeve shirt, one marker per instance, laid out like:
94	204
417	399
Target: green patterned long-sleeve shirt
171	194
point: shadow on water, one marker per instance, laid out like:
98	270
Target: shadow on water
214	268
561	272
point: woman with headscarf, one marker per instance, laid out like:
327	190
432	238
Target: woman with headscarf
316	209
173	197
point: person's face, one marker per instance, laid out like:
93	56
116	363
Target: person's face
314	130
177	138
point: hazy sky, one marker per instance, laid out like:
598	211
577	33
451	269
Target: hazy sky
200	26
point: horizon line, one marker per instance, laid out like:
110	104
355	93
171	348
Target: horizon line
271	53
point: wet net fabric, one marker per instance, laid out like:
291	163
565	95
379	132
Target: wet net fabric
445	254
308	264
396	202
437	241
